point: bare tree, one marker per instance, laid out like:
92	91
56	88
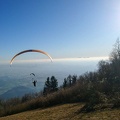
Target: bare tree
115	54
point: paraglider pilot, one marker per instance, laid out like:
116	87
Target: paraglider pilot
34	83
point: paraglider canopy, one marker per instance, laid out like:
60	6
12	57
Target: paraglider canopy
32	74
31	50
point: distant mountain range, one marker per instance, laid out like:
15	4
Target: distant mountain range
16	92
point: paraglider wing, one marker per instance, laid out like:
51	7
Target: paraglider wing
40	51
32	74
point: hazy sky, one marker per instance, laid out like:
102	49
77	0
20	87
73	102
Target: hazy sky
63	28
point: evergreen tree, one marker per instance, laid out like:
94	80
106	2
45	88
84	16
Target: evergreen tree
47	83
69	80
74	79
54	84
51	85
65	83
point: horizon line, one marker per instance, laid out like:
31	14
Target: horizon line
60	59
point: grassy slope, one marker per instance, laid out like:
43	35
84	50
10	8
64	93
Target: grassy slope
65	112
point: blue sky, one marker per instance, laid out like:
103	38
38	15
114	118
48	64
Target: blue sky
63	28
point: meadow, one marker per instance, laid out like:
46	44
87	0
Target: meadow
65	112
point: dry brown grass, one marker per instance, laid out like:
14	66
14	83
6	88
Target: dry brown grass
65	112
